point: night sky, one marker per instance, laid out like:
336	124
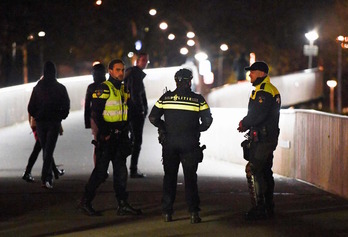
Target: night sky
79	32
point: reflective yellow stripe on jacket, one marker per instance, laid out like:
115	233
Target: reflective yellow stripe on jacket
115	110
181	105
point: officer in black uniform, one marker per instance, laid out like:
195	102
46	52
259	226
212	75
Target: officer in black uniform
186	114
110	112
262	121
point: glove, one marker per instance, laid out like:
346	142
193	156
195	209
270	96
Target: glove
241	128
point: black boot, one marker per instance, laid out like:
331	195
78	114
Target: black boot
125	209
195	218
135	174
27	177
57	172
87	208
256	213
168	217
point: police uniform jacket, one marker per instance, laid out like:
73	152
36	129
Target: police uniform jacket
100	97
88	101
186	113
263	110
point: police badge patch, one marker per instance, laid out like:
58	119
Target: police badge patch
99	93
261	99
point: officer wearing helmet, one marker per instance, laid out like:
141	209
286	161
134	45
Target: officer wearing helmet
185	115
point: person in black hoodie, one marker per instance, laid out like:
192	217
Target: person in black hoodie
49	104
98	77
137	109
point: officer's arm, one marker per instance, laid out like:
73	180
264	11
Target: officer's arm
88	101
155	116
205	115
100	96
259	111
206	120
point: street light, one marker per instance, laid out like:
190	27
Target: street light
311	49
223	48
332	84
41	34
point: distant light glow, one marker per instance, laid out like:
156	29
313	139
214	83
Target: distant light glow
95	63
98	2
41	34
30	37
312	35
224	47
331	83
138	45
201	56
153	12
190	35
252	58
208	78
191	42
340	38
146	29
184	51
163	26
130	54
171	36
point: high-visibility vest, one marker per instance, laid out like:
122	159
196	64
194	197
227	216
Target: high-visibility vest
116	108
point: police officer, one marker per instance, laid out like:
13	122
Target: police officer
98	77
110	112
186	114
262	121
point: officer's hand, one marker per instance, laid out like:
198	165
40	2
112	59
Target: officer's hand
241	128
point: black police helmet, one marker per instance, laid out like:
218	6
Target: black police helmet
183	74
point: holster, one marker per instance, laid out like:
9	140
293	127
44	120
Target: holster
246	148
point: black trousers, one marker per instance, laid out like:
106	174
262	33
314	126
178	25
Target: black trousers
261	162
33	157
174	153
48	132
136	129
116	150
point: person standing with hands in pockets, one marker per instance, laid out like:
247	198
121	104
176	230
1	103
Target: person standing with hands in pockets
137	109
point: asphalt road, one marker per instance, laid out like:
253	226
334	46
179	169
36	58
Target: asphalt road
26	209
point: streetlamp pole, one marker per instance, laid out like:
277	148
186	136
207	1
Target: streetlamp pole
311	49
332	84
339	78
25	63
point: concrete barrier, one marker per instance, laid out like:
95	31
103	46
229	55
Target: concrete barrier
313	146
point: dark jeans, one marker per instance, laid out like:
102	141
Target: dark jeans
33	157
136	129
174	154
261	162
48	132
116	150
